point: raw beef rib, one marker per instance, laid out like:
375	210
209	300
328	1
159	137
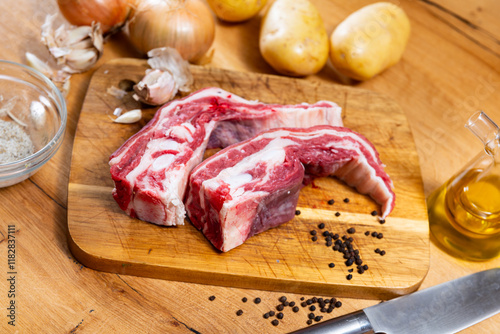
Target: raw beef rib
254	185
150	170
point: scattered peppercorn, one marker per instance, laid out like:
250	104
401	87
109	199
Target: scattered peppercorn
312	308
346	200
286	303
275	322
331	265
244	300
367	233
382	253
315	238
266	315
365	267
279	315
337	214
377	250
297	212
303	304
295	309
331	201
313	232
380	236
318	318
349	277
292	304
309	322
280	307
338	303
351	270
272	313
321	226
374	213
302	298
211	298
282	299
382	221
351	230
239	312
311	315
257	300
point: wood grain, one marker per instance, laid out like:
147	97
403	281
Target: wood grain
284	258
443	76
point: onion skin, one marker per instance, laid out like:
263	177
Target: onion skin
236	10
370	40
109	13
293	38
186	25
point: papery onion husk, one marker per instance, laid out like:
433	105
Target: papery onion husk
186	25
111	14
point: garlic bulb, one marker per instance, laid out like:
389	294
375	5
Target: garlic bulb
129	117
169	73
77	48
186	25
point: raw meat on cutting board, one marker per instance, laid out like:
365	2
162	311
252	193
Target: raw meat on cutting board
254	185
151	169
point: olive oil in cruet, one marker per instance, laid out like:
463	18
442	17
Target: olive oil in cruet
464	213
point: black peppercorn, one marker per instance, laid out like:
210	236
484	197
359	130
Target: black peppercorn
331	201
239	312
211	298
275	322
257	300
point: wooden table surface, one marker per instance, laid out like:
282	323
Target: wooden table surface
449	70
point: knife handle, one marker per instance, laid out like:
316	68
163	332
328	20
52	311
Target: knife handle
352	323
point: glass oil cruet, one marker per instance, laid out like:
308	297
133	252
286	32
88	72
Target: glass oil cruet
464	213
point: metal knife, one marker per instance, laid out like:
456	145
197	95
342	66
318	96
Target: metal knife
445	308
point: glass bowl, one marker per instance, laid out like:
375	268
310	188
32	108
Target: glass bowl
32	121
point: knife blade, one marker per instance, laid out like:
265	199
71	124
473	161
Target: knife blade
445	308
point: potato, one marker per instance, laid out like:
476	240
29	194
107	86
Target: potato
369	40
293	39
236	10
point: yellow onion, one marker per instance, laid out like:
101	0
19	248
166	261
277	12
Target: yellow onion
109	13
185	25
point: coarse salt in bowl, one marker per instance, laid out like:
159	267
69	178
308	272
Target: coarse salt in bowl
32	121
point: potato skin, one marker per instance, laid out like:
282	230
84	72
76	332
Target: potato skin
293	39
369	40
236	10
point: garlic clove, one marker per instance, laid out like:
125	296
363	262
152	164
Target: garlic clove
156	88
80	60
131	116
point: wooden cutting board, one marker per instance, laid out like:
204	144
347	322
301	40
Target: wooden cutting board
285	258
